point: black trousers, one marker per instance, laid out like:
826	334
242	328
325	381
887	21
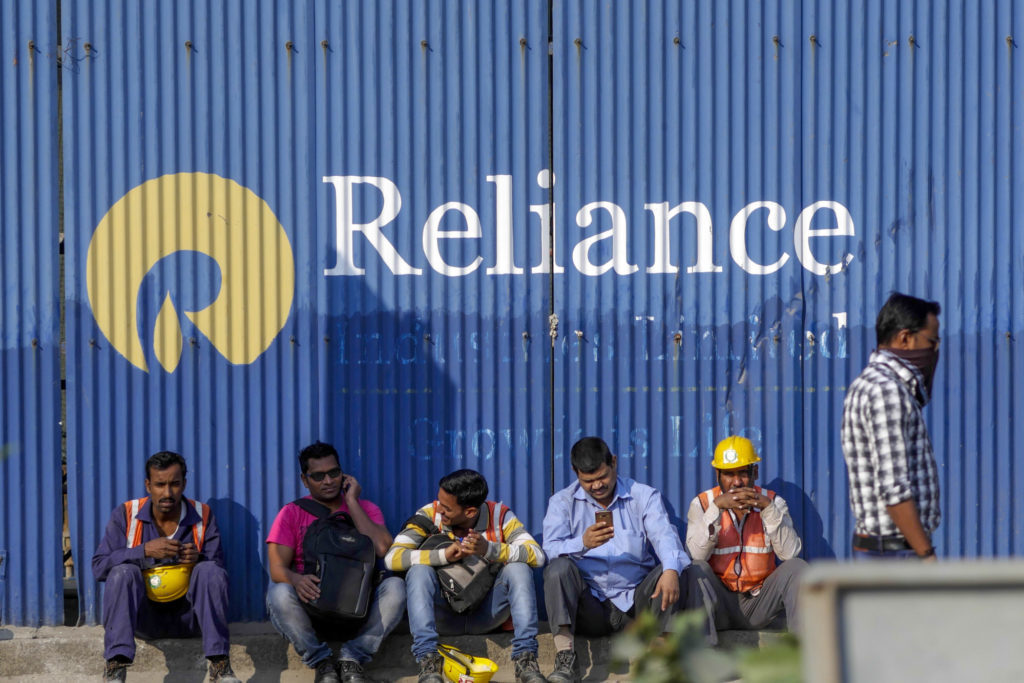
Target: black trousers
569	601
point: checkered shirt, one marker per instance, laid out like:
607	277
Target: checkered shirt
885	442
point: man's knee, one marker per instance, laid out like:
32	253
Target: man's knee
123	576
420	576
558	569
391	590
281	596
517	573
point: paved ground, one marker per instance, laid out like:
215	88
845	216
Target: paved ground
258	653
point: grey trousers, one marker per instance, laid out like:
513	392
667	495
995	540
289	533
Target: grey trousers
729	610
569	601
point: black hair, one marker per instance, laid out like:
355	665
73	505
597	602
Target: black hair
316	451
163	460
589	453
468	486
903	312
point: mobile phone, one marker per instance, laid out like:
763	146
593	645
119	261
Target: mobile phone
604	516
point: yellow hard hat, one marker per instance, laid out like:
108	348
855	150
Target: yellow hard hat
167	582
460	667
734	452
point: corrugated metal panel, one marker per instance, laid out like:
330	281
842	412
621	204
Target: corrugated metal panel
704	134
904	115
410	376
31	568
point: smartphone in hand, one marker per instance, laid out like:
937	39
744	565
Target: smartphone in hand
604	516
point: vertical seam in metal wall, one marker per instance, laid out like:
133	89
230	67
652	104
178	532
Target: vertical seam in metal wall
62	308
551	242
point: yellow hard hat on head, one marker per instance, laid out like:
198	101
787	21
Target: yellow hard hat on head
167	582
734	452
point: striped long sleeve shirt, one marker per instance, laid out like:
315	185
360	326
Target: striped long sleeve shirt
515	543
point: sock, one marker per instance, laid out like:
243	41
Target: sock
563	639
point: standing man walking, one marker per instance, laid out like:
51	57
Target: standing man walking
894	482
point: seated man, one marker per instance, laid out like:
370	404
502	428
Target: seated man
172	545
601	531
463	513
741	529
290	587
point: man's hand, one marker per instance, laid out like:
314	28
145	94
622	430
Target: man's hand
597	534
474	544
454	552
668	588
306	586
742	499
162	548
749	499
352	490
189	554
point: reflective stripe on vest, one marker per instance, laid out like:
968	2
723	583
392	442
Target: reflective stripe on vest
493	533
134	528
754	551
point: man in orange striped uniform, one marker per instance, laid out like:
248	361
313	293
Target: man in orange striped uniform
736	533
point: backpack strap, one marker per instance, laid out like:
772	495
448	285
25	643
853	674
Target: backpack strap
318	510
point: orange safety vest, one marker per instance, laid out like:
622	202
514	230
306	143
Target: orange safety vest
494	533
741	564
134	527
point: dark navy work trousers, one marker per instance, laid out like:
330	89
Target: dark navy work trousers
127	611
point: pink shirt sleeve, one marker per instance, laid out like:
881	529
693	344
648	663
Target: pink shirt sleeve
285	529
372	511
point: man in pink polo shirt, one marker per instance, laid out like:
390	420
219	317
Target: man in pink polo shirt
290	587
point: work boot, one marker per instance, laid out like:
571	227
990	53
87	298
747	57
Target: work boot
430	668
351	671
220	670
527	670
566	668
326	672
116	668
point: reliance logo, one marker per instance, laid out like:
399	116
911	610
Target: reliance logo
192	212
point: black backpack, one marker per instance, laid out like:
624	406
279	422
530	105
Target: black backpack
343	559
467	582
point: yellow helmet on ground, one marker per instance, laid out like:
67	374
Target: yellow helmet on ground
734	452
167	582
460	667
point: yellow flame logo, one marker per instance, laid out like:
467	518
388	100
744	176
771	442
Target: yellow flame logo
192	212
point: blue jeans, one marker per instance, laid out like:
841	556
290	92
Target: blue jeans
293	622
429	614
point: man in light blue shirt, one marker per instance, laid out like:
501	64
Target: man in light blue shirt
600	574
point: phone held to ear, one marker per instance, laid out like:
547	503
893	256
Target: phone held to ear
604	516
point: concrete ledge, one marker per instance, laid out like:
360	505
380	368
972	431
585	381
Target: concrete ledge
258	653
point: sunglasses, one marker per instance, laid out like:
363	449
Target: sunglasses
319	476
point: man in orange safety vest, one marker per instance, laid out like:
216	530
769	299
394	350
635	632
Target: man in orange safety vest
736	531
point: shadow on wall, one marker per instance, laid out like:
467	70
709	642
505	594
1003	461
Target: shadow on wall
240	538
806	520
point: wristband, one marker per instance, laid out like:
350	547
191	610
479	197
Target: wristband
928	553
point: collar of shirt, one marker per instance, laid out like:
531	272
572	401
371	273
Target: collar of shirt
907	373
623	491
191	516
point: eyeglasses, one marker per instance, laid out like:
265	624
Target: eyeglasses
319	476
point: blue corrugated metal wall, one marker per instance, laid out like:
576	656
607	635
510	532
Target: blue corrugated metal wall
31	564
733	190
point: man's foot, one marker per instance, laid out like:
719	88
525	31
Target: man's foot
351	671
220	670
527	670
566	668
116	668
326	672
431	667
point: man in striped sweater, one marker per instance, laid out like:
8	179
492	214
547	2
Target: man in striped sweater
474	526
